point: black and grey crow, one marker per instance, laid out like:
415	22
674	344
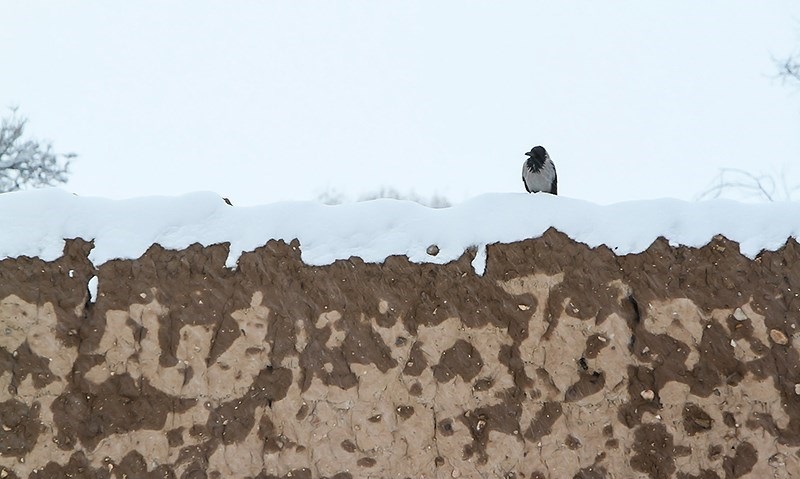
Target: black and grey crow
539	172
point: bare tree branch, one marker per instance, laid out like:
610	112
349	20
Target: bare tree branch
334	197
28	162
733	181
789	69
435	201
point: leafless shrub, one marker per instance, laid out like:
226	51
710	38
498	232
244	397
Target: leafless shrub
334	197
741	184
28	162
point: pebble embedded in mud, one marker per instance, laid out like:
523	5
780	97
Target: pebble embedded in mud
779	337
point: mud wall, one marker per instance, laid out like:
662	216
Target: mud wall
560	361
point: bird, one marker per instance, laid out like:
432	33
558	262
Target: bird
539	172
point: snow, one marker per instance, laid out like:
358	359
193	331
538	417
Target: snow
37	222
92	288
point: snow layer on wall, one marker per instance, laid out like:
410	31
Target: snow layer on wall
36	223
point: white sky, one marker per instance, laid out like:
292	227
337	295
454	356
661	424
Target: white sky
269	101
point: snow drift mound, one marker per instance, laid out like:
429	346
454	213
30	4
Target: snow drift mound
36	223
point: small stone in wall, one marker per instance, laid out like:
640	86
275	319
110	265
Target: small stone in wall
777	460
740	315
778	337
572	442
648	394
348	445
797	389
405	412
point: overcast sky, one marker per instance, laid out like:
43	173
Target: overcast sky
270	101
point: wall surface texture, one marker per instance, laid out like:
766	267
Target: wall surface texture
560	361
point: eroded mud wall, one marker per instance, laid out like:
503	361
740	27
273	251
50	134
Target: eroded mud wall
559	362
